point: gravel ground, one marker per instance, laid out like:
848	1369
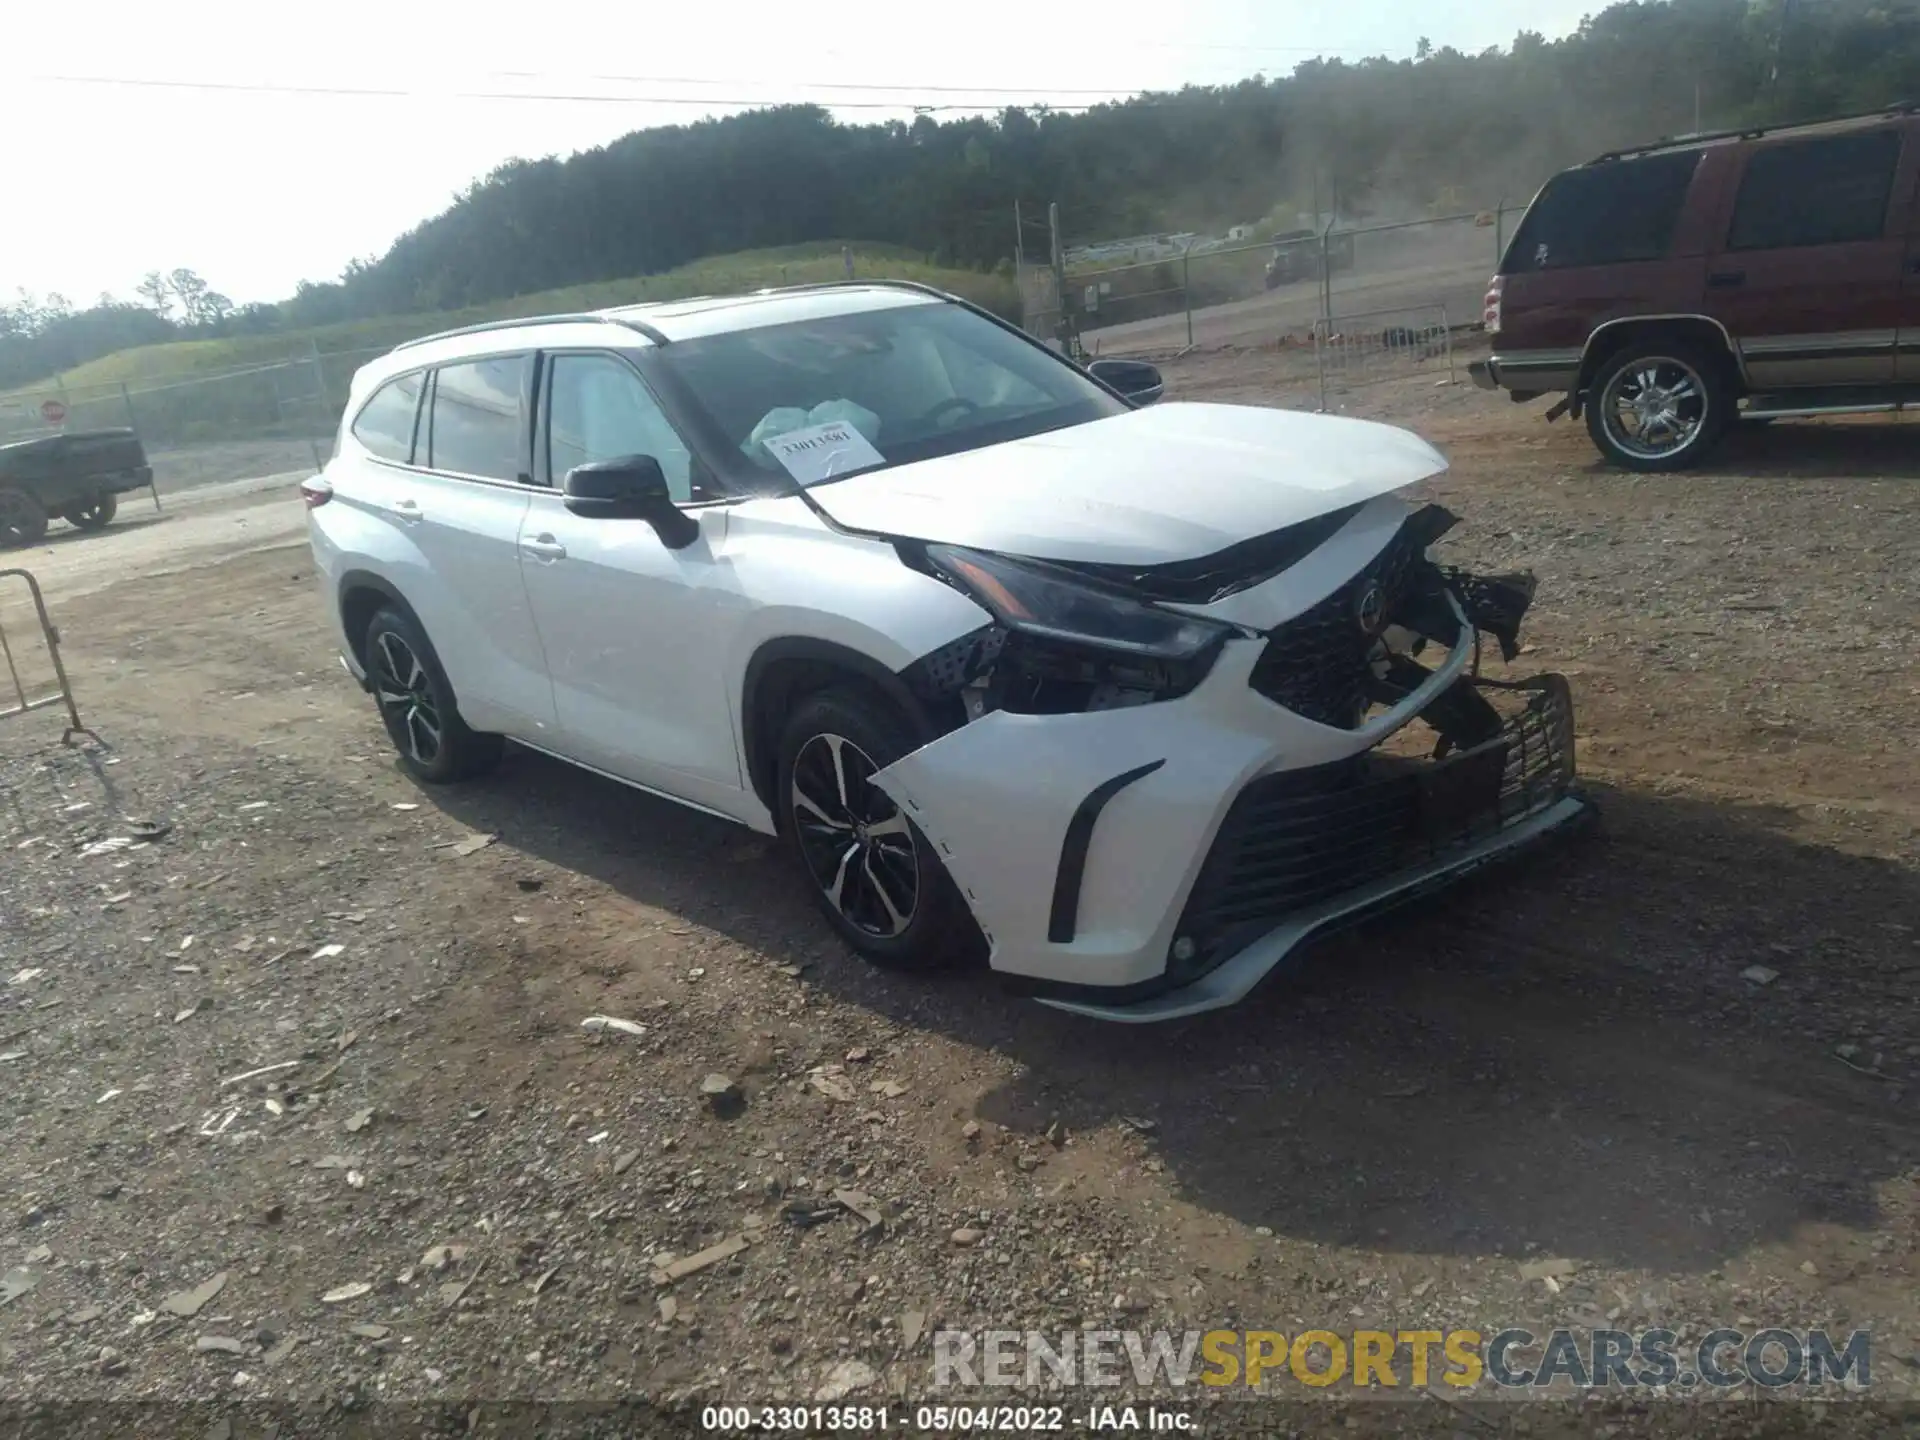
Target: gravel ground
299	1111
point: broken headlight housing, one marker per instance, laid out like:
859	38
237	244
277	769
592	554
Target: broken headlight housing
1071	645
1038	601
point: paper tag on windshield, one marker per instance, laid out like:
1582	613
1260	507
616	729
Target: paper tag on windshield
820	452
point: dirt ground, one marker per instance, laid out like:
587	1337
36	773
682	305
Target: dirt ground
1562	1062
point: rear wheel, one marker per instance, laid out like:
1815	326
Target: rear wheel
23	519
417	706
94	514
870	869
1659	406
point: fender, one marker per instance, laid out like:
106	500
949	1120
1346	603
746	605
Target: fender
758	739
364	580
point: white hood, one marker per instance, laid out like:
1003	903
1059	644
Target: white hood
1173	482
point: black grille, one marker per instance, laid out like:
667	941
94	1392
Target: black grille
1316	664
1295	839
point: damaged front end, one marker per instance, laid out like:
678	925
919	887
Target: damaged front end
1215	771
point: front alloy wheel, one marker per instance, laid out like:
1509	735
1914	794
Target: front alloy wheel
858	848
873	873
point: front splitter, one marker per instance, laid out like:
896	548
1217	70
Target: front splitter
1230	983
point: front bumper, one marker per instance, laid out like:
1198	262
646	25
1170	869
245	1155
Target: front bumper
1322	852
1115	858
1306	853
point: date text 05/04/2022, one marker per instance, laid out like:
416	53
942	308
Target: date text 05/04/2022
943	1419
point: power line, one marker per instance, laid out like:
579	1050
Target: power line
383	92
1034	99
1108	92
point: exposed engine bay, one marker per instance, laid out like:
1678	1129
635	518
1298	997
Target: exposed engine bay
1352	653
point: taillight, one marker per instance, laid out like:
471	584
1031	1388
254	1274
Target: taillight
316	492
1490	311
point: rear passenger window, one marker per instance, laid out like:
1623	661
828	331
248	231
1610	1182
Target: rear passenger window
385	423
1815	192
479	423
1605	214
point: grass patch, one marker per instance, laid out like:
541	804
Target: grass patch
344	347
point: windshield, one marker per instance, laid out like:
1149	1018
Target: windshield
820	399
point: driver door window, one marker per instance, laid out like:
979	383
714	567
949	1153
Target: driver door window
599	409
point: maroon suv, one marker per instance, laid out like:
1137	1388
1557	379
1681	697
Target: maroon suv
1670	291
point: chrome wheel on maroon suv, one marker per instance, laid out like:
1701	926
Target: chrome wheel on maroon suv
1657	408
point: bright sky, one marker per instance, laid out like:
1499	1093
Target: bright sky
260	186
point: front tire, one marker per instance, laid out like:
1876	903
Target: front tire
871	871
1658	406
94	514
417	705
23	519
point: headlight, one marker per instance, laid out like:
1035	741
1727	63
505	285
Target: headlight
1033	599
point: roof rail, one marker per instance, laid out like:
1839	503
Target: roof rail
521	322
918	286
616	315
1750	132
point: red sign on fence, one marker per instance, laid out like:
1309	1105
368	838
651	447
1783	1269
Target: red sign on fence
54	412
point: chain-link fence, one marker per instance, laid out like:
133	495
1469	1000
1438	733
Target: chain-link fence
1291	292
250	421
1040	309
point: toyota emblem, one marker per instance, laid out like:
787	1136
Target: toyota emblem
1370	610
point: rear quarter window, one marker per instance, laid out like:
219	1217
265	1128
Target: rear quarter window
385	423
1828	191
1608	214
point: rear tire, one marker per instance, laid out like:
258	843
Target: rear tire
94	514
417	705
23	519
874	875
1659	406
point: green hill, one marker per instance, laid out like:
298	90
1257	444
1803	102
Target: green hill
344	347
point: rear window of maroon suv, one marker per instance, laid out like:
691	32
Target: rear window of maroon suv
1606	214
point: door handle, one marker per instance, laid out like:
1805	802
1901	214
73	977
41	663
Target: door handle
1726	279
544	547
1913	264
408	511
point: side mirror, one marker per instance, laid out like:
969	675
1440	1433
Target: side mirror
1137	381
629	487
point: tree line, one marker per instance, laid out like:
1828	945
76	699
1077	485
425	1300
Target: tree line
1373	139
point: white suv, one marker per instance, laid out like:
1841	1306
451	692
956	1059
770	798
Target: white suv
1008	659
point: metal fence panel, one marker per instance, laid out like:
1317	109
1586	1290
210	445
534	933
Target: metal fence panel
1366	348
16	698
